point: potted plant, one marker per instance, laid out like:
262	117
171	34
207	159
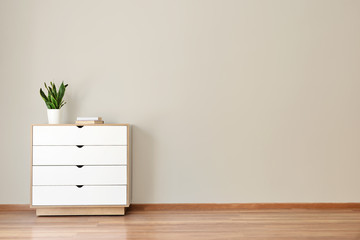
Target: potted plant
54	101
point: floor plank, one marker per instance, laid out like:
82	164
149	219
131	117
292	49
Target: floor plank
183	224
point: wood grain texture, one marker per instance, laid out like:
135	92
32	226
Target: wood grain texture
209	206
80	211
268	224
129	165
239	206
15	207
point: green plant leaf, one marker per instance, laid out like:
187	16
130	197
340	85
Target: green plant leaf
50	105
54	90
54	98
53	101
46	87
61	93
42	94
53	94
62	104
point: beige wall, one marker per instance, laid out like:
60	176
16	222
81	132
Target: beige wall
230	101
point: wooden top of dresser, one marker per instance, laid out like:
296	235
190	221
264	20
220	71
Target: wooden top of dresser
114	124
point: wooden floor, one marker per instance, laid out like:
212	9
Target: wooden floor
186	225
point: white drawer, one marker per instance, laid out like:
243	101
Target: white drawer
73	155
73	175
72	195
73	135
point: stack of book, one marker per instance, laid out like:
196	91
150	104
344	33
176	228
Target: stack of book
89	120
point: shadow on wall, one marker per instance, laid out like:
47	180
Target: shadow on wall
143	166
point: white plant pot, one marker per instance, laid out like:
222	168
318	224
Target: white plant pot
54	116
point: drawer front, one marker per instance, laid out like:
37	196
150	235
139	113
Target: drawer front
73	155
73	175
71	195
73	135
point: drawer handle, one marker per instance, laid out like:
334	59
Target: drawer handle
79	126
79	166
79	186
79	146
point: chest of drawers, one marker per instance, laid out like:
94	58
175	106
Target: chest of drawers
80	170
